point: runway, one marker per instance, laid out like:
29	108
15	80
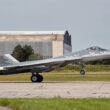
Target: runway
54	89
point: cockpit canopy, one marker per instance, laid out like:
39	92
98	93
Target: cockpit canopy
96	48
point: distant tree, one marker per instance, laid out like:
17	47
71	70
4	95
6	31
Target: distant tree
106	62
27	49
35	57
22	53
102	62
18	53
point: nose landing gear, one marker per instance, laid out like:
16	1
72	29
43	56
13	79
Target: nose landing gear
82	72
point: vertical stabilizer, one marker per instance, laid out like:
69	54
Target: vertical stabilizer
7	59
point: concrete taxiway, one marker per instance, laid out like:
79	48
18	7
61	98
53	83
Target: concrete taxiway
54	89
4	108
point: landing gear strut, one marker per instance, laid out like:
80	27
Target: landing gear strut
82	72
36	77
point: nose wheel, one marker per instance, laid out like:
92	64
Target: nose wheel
36	78
82	72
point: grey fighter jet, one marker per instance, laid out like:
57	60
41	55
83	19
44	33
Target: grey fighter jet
9	65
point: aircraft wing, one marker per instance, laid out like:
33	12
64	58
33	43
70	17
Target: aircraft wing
41	63
89	54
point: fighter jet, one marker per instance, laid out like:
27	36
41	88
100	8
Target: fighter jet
9	65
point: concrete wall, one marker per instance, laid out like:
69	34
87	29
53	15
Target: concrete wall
31	38
43	48
57	48
47	44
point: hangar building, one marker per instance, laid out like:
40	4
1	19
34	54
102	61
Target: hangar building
46	43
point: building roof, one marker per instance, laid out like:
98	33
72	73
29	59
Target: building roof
30	32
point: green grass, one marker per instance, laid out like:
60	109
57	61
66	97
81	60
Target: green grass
68	73
88	68
57	104
61	76
97	76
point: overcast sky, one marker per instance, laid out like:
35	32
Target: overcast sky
88	21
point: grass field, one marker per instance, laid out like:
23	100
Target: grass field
88	68
61	76
57	104
68	73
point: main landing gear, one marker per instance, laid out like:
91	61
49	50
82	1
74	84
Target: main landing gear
82	72
36	77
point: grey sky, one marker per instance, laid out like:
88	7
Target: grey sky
88	21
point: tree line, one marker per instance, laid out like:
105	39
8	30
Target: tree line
25	53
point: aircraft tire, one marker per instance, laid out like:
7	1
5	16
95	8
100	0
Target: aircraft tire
82	72
40	78
34	78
